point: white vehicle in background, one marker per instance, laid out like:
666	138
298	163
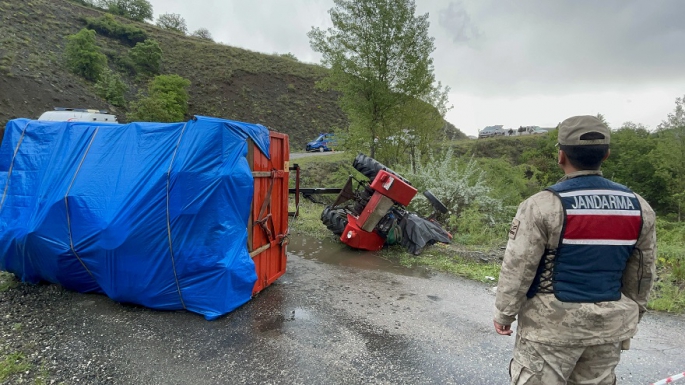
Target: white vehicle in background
491	131
61	114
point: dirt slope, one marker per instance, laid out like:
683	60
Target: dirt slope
227	82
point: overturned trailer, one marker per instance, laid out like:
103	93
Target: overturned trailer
170	216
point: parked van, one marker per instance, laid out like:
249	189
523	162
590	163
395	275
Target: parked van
78	115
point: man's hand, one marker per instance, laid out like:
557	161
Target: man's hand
504	330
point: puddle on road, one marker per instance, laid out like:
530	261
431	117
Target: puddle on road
333	252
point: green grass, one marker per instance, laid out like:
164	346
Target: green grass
309	220
442	258
329	171
509	147
334	158
669	290
12	364
667	296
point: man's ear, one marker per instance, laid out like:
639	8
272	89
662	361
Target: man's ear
607	155
561	158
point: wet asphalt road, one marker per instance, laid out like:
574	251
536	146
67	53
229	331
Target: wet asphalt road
336	317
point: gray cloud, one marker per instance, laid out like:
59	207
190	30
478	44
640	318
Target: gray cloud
456	19
543	47
500	48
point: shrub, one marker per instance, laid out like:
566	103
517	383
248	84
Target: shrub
147	56
462	187
111	88
289	55
87	3
202	33
173	22
166	101
108	26
456	183
138	10
83	56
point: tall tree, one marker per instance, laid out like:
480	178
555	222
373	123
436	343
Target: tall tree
379	55
632	162
671	151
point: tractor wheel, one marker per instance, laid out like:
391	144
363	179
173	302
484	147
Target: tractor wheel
334	219
370	167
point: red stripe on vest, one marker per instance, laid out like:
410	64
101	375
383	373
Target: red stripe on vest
602	227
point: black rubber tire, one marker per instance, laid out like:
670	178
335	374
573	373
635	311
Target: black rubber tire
334	219
435	202
370	167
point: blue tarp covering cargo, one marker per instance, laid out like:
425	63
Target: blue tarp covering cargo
147	213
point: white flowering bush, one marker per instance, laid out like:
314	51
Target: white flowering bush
461	186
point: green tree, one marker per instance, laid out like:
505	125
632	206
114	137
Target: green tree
138	10
202	33
83	56
602	118
166	100
543	159
379	55
632	163
173	22
670	151
147	56
111	88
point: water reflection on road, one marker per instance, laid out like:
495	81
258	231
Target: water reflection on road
333	252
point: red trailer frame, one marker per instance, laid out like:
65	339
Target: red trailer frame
268	224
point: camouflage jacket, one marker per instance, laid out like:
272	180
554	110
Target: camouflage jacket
544	318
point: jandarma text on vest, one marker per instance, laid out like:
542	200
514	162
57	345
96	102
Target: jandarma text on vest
604	200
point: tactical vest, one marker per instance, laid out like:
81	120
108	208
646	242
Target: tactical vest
602	223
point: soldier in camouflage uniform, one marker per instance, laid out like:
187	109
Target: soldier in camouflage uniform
578	268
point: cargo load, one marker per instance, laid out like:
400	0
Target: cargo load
155	214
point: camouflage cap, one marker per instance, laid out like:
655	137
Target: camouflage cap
583	130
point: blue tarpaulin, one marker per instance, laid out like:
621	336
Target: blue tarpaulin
147	213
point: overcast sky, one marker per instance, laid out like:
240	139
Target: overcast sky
510	62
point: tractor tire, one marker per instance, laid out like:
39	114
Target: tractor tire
334	219
370	167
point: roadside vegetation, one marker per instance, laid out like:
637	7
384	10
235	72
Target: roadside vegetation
483	181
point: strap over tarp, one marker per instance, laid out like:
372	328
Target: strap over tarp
149	213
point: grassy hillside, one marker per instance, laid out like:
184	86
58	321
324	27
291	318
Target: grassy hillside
509	147
227	82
